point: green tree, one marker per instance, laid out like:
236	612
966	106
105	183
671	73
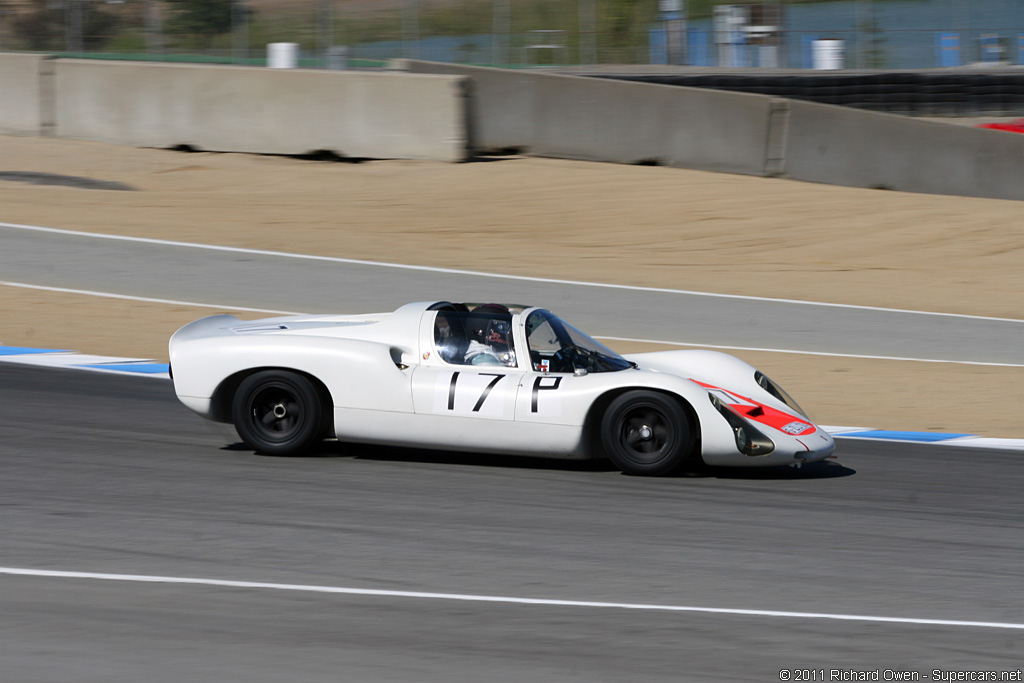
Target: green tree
44	25
39	27
621	21
205	18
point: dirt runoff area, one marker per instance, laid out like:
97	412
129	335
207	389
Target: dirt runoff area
658	227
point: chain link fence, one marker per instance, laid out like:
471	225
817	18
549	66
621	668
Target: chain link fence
876	34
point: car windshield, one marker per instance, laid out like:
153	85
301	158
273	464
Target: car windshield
557	346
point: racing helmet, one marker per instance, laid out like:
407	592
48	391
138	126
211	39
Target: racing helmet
492	326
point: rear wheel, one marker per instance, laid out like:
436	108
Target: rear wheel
646	433
277	412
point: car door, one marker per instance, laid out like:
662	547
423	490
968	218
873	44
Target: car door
453	379
550	393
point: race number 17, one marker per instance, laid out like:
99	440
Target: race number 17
483	395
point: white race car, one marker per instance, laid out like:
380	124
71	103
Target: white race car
489	378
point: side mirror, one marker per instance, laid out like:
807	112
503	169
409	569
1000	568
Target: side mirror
580	372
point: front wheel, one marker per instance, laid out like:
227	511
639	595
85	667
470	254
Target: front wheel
277	412
646	433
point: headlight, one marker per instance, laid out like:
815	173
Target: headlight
749	440
742	442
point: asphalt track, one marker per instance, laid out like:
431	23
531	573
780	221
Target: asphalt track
110	474
280	282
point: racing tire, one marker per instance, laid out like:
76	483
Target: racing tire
646	433
278	413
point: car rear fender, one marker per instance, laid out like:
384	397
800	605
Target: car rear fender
355	373
224	395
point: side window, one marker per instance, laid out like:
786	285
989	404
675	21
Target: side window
543	343
557	346
541	336
478	337
450	336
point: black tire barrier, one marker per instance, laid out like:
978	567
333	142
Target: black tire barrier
923	93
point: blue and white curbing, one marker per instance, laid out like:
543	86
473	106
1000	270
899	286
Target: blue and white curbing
934	438
60	358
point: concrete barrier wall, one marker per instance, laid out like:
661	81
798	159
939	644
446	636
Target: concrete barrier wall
501	102
607	120
604	120
22	103
842	146
426	115
269	111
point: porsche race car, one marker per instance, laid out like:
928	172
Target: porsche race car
490	378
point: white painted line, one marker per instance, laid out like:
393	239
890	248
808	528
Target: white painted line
226	307
455	271
500	599
64	359
987	442
108	295
811	353
128	373
835	429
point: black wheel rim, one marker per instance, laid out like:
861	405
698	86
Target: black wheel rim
275	413
646	434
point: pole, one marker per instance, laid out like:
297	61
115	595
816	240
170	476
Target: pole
324	27
780	36
239	30
73	26
410	29
500	32
154	28
588	32
673	15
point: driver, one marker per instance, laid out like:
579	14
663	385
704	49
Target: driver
490	337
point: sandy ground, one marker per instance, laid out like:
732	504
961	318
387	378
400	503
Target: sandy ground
630	225
603	222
